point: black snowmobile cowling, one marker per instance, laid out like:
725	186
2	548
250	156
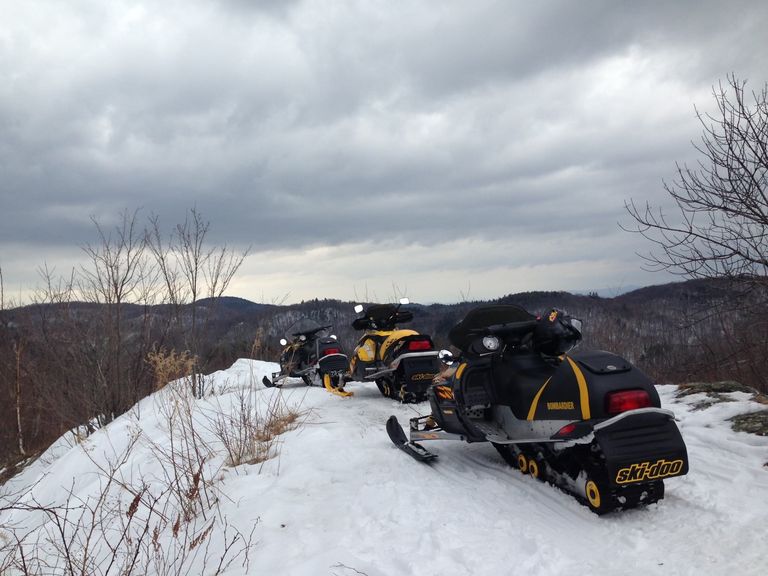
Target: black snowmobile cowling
382	317
589	422
308	353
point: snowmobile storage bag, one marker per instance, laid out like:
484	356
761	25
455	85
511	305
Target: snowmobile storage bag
475	384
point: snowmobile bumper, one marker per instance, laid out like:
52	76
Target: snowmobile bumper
418	370
333	364
641	446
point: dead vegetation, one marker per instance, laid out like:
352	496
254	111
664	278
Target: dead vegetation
161	517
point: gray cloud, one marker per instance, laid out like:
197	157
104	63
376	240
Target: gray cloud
519	127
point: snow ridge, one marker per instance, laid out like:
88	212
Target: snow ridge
339	499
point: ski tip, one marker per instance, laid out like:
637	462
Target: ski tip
395	431
267	382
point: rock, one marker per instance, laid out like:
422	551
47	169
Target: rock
754	423
714	388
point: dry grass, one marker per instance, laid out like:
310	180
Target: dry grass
249	434
169	365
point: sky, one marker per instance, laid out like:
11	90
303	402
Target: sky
361	150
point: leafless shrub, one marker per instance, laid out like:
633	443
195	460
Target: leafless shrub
249	434
166	525
108	534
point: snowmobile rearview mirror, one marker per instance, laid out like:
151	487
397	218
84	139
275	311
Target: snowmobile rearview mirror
404	301
445	356
283	341
359	308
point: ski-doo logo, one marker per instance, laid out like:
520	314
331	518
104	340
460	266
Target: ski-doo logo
423	376
647	471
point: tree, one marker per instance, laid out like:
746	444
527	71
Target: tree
722	202
720	227
190	271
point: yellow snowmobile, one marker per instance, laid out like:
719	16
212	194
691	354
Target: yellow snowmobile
402	362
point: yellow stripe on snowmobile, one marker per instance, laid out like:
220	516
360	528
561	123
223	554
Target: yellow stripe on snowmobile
583	392
460	371
393	337
535	402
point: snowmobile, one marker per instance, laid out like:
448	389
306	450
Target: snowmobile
589	423
402	362
311	355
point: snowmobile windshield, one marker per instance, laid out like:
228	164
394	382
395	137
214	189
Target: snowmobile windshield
302	326
466	330
382	317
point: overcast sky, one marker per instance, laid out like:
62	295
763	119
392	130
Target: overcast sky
439	149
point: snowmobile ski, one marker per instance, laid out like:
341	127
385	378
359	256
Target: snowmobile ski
268	383
338	390
399	439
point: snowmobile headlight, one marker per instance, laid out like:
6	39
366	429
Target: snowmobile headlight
334	336
283	341
491	343
359	308
302	337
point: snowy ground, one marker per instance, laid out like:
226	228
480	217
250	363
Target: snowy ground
340	499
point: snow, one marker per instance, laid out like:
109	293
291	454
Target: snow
339	499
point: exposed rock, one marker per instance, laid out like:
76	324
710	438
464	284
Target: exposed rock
754	423
714	389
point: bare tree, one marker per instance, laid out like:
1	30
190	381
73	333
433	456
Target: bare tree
720	226
116	275
722	202
191	271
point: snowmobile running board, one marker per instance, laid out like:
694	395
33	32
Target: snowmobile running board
378	374
399	439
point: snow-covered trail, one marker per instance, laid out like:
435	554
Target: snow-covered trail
341	500
345	496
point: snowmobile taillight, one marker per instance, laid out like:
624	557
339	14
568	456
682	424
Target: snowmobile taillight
415	345
328	351
572	430
623	400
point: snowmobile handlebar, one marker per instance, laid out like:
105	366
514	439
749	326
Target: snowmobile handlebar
509	329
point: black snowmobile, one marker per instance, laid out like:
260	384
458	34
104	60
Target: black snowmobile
311	355
402	362
589	423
